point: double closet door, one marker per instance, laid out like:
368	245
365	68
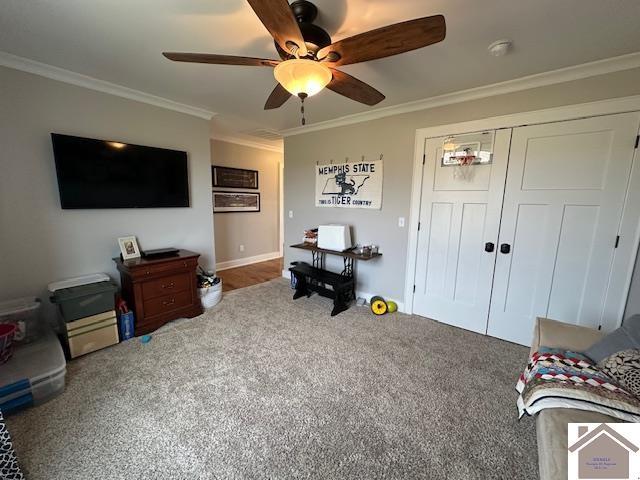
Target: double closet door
530	233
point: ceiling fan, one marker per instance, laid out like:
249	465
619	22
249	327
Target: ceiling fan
308	58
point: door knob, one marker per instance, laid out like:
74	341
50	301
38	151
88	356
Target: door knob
489	247
505	248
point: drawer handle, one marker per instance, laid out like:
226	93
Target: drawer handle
171	302
169	285
148	272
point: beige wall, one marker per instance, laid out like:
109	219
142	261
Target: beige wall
394	137
259	232
40	242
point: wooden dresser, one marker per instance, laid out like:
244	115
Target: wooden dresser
160	290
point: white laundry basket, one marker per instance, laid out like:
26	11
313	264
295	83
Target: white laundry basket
211	296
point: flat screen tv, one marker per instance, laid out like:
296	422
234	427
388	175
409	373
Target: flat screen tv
106	174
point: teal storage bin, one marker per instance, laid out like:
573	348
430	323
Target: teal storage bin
85	300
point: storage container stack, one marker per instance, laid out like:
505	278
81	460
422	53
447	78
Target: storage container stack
87	310
35	369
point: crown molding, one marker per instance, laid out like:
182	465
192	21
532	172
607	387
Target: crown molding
248	143
576	72
60	74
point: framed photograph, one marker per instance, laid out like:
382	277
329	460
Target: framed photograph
227	177
129	247
225	202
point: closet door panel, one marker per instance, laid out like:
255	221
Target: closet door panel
454	271
563	202
523	266
577	235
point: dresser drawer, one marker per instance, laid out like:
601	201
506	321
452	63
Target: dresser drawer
174	266
166	285
167	303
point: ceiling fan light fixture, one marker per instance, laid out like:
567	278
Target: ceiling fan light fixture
302	76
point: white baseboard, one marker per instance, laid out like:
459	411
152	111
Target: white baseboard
360	294
241	262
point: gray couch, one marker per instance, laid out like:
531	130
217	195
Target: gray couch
551	424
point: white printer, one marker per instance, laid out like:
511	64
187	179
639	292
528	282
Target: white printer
334	237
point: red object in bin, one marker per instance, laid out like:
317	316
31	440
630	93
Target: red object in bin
7	331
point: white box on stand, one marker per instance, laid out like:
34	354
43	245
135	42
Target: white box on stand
334	237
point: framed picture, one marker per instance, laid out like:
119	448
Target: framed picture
227	177
225	202
129	247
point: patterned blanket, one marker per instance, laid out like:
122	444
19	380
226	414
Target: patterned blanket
9	468
556	378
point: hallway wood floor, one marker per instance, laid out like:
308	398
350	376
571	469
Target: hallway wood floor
248	275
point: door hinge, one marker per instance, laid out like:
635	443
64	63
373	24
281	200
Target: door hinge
617	241
637	141
414	289
424	157
418	226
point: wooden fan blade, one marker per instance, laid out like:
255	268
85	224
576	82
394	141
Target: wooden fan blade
355	89
277	16
220	59
277	98
386	41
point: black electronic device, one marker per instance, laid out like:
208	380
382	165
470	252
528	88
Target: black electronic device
106	174
160	253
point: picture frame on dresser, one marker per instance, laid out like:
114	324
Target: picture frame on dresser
129	247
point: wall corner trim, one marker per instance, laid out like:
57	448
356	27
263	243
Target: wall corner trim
567	74
248	143
67	76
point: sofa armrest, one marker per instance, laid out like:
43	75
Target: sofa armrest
554	334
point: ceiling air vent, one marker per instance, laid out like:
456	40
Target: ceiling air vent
264	134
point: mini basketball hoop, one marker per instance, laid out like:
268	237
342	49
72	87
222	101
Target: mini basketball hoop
463	169
464	152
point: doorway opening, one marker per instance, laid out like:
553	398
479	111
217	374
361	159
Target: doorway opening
247	213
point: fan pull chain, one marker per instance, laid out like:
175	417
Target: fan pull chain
302	97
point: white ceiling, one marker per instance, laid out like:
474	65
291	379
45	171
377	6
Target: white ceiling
121	42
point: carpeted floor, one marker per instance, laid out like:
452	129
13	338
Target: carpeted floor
265	387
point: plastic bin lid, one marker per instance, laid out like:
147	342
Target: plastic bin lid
34	361
18	305
71	293
77	281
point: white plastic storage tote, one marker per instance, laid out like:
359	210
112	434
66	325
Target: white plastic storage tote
25	314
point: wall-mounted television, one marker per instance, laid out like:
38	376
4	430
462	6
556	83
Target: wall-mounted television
107	174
